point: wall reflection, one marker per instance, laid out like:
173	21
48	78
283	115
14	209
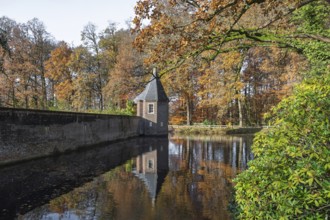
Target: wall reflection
26	186
180	178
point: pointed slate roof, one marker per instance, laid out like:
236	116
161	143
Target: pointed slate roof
154	91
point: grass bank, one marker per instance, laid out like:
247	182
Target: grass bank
212	130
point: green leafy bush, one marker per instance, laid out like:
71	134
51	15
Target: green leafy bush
290	177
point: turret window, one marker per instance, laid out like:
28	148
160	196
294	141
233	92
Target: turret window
150	164
151	108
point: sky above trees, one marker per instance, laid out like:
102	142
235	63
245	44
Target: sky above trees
65	19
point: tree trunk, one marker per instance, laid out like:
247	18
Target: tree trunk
13	95
44	92
240	113
101	105
35	96
189	111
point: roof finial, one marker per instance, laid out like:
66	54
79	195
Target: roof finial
154	72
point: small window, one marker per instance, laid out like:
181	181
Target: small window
150	124
161	124
150	164
151	109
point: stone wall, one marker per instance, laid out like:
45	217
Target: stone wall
28	134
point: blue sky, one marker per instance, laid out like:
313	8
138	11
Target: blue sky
65	19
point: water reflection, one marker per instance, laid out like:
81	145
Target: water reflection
26	186
201	173
180	178
152	168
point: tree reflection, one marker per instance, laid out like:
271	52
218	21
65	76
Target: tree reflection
186	178
199	183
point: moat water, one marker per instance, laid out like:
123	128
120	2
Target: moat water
143	178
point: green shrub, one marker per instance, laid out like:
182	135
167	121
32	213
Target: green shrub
206	122
290	177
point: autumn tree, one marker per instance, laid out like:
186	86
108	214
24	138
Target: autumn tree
60	76
19	69
213	26
240	87
182	85
24	80
127	75
179	31
7	86
103	48
37	73
84	81
4	48
221	89
268	77
41	45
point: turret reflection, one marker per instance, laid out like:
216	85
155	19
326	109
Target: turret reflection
152	167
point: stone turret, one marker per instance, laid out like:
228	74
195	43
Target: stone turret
152	106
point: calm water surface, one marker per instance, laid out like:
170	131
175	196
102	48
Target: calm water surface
144	178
